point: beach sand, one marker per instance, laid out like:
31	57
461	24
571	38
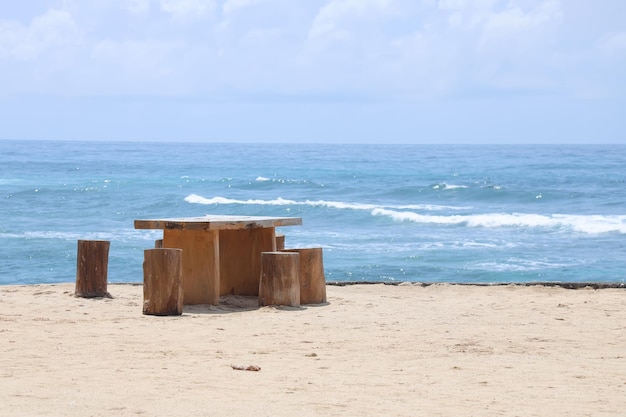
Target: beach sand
407	350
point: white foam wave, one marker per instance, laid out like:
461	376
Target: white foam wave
10	181
262	179
428	207
589	224
121	235
196	199
68	235
444	186
516	265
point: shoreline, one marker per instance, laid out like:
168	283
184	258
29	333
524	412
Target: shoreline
566	285
403	350
570	285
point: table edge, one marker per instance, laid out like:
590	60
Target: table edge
197	223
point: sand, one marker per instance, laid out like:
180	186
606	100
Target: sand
408	350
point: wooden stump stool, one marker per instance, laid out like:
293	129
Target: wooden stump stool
312	279
92	268
158	244
280	241
279	283
162	282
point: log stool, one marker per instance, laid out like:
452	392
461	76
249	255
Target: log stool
280	241
279	283
158	244
92	268
312	279
162	282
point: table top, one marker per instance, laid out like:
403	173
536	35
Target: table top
217	222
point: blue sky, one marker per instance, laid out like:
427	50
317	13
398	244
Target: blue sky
349	71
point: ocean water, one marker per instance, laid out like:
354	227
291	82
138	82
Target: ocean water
470	214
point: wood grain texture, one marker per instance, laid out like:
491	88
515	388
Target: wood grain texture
163	282
240	259
312	279
201	273
279	284
92	268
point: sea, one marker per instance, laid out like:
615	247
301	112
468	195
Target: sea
484	214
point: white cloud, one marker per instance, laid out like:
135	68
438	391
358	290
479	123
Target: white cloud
372	48
467	6
53	29
137	6
432	49
521	26
498	46
188	9
332	18
232	6
499	18
468	13
275	53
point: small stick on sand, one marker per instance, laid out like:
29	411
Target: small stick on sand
246	368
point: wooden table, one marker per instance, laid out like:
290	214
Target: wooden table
221	254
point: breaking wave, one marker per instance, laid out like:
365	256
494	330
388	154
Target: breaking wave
588	224
196	199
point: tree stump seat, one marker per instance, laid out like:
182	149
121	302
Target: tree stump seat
311	275
280	241
279	282
162	282
92	262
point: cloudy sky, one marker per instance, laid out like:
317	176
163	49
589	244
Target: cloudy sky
351	71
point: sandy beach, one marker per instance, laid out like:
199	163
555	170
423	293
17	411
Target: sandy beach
407	350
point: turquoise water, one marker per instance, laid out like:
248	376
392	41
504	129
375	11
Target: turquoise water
487	214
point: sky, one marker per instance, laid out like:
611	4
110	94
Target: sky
315	71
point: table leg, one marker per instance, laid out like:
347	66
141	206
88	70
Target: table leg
240	259
201	263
